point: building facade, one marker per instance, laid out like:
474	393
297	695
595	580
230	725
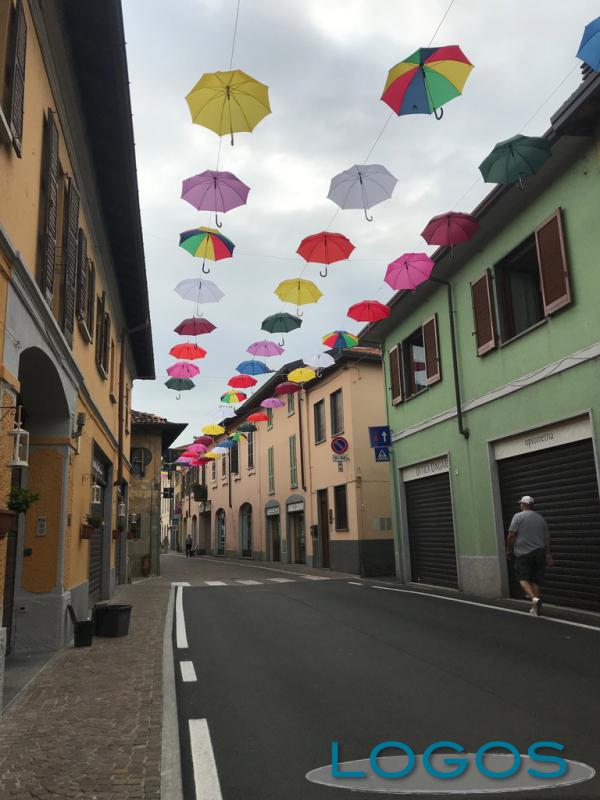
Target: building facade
520	413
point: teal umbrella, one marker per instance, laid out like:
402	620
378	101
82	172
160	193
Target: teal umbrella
514	159
247	427
281	323
179	385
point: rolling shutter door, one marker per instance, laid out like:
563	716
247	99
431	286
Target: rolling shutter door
431	531
95	567
563	482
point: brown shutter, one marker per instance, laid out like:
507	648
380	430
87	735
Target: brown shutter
483	313
82	267
17	89
432	351
51	197
106	343
552	260
70	261
395	375
100	329
91	298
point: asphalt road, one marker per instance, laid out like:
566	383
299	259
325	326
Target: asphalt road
285	668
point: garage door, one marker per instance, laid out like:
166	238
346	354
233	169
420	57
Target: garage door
431	531
563	482
95	567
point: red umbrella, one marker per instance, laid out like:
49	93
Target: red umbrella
287	387
200	462
368	311
325	248
193	326
204	439
188	351
241	381
258	417
449	229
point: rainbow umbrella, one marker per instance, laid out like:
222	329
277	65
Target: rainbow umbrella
272	402
188	351
449	229
287	387
369	311
206	243
325	248
194	326
338	340
301	375
426	80
265	348
242	382
233	397
214	191
408	271
183	369
253	368
179	385
299	292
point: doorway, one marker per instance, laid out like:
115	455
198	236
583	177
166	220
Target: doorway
246	530
220	532
274	528
298	534
323	523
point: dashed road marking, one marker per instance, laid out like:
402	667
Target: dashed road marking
180	632
281	580
215	583
206	778
188	673
250	583
316	577
180	583
355	583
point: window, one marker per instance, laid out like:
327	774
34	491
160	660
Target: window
293	463
518	290
319	417
102	336
224	465
127	390
340	506
413	364
269	418
213	471
395	375
91	297
49	214
112	371
251	450
69	258
234	455
13	49
291	404
271	466
336	410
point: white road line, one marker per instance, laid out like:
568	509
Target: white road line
316	577
487	605
215	583
281	580
255	565
180	620
250	583
206	778
188	673
180	583
355	583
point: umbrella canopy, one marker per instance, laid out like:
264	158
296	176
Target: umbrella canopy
227	444
362	186
272	402
189	351
183	369
426	80
238	435
408	271
253	368
200	462
214	191
233	397
368	311
589	49
247	427
206	243
212	455
265	348
207	440
213	429
338	340
194	326
325	248
449	229
258	416
287	387
197	447
301	375
184	460
198	290
281	323
221	413
514	159
242	381
228	102
219	450
299	292
320	361
179	385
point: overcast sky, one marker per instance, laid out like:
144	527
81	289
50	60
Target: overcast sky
325	62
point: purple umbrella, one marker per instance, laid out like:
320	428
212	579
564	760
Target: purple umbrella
214	191
408	271
265	348
272	402
183	369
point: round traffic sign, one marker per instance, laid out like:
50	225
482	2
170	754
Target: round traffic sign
339	445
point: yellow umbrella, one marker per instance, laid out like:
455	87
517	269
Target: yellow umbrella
227	102
298	291
211	455
213	430
301	375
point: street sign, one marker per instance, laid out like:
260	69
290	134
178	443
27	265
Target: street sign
382	453
340	457
380	436
339	444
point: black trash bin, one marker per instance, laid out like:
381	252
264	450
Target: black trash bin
112	619
83	630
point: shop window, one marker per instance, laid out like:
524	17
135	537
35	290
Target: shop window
271	469
340	505
319	419
518	290
336	408
293	463
250	443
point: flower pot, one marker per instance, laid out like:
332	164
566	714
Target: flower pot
86	531
7	520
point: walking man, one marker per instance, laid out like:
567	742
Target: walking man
188	545
529	541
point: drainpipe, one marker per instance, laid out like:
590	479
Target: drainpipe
300	436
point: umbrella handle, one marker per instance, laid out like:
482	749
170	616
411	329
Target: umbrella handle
178	397
231	140
217	223
521	187
204	270
451	252
367	217
318	373
323	274
282	342
435	113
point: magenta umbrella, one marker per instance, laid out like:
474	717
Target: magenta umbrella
272	402
408	271
449	229
183	369
197	447
265	348
215	191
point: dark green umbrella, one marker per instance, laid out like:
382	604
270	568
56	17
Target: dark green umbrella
179	384
281	323
247	427
514	159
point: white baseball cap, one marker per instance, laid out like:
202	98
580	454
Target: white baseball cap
526	499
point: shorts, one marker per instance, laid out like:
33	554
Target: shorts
531	566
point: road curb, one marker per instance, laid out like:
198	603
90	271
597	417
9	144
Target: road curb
170	760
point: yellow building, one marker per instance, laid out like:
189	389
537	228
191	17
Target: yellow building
74	318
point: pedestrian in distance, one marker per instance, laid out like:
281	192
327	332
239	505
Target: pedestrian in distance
528	541
188	546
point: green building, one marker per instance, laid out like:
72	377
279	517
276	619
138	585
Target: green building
521	412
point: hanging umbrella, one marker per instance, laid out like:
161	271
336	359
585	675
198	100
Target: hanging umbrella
194	326
281	323
242	382
219	450
514	159
214	191
197	447
299	292
265	348
227	444
237	436
368	311
301	375
247	427
207	440
287	387
184	460
188	351
272	402
199	290
362	186
589	49
183	369
408	271
427	79
325	248
339	340
258	416
179	385
213	429
253	368
206	243
200	462
320	361
449	229
233	397
212	455
228	102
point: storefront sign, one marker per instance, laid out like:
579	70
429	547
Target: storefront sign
425	468
292	507
572	430
273	511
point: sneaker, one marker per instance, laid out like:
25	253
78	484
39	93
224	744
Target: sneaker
536	605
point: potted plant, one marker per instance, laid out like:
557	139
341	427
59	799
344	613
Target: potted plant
20	499
119	529
92	523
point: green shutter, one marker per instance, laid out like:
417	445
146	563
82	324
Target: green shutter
293	464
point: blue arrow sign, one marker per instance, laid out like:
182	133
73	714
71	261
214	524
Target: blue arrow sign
382	454
380	436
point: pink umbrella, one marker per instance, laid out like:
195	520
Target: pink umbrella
184	460
215	191
408	271
183	369
272	402
197	447
449	229
265	348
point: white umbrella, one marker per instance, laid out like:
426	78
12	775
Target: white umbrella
219	450
198	290
362	186
320	361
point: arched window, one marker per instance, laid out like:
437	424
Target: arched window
246	530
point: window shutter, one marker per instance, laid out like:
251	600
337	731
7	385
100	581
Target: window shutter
106	343
17	91
483	313
82	266
100	329
70	285
51	191
395	375
91	298
432	350
552	260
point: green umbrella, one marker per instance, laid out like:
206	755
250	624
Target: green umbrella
281	323
247	427
515	159
237	435
179	385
